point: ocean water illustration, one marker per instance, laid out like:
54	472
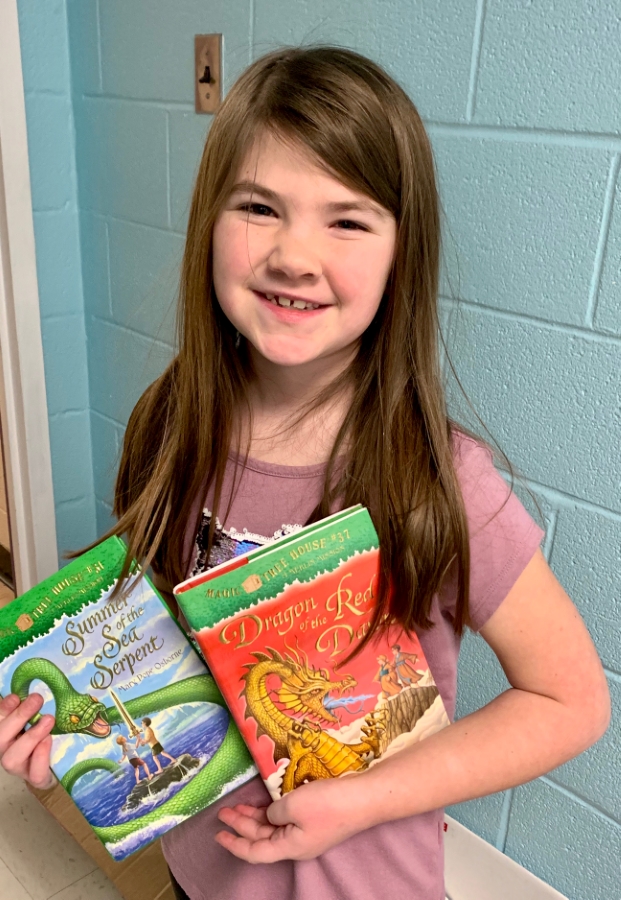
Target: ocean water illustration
103	797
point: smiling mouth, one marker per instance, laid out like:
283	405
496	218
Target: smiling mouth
288	303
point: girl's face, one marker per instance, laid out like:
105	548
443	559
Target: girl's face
300	261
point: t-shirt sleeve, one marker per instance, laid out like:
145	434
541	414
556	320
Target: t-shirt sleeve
503	536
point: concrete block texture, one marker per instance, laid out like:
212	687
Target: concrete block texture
427	47
549	395
148	52
122	364
59	272
70	441
121	159
586	558
565	843
144	273
50	151
551	65
64	357
596	774
106	454
187	139
75	526
45	56
85	53
95	264
104	517
521	224
49	115
608	312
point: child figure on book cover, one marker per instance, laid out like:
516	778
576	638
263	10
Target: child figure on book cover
156	748
130	753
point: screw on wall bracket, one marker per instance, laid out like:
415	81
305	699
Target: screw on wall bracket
207	72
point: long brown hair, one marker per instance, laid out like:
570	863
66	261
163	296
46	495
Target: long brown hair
395	439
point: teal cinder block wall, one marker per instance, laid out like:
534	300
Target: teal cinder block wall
521	102
49	115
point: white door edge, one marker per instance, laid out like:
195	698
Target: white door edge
474	870
23	404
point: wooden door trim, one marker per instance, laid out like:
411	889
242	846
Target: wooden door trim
23	403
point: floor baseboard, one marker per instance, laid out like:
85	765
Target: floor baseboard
474	870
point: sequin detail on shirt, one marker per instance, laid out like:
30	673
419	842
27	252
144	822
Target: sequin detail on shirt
229	542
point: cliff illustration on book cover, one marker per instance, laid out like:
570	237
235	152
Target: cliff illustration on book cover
275	628
142	738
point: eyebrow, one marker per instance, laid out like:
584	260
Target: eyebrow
340	206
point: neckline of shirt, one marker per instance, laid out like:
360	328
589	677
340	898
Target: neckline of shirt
278	469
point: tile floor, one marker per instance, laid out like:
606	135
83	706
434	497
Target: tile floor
38	859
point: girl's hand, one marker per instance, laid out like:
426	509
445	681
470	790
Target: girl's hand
301	825
26	753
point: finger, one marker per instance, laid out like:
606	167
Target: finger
256	812
12	725
16	721
279	812
8	705
245	826
16	759
263	851
40	775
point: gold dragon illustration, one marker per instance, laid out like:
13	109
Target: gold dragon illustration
299	737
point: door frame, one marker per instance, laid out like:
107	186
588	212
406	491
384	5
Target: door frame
23	402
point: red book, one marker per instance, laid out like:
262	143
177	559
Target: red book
276	629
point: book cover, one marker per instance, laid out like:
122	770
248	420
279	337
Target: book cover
275	627
142	739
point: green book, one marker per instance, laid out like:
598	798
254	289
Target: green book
143	739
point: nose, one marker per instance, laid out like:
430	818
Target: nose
294	256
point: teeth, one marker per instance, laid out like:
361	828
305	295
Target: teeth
285	301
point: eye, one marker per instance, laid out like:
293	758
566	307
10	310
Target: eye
94	699
350	225
74	719
256	209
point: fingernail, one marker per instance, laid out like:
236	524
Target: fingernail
47	719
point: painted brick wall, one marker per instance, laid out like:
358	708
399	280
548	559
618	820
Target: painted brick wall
521	101
47	84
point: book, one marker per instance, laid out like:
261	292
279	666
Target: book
142	738
276	628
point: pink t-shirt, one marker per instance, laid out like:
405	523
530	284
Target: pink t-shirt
403	858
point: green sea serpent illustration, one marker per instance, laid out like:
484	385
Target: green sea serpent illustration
81	714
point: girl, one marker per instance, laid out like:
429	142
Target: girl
307	380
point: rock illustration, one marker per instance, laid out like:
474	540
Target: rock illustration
159	783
